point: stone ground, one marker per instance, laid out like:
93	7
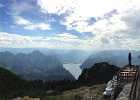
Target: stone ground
26	98
124	95
84	93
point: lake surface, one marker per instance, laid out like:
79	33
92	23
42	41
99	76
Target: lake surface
74	69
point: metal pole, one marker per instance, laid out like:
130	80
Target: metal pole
129	59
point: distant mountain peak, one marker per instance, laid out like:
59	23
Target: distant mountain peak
102	63
7	52
36	52
115	57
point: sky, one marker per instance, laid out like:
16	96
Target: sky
70	24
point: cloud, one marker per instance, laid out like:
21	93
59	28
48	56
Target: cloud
55	6
19	8
112	24
21	21
116	24
84	8
40	26
26	24
132	20
62	41
8	40
66	37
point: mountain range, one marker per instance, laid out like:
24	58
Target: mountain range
35	65
64	55
115	57
60	64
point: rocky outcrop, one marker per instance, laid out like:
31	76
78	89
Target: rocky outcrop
99	72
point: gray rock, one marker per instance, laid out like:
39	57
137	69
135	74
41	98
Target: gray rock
124	95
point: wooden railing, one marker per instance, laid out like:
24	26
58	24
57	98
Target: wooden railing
124	76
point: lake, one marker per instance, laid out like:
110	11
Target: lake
74	69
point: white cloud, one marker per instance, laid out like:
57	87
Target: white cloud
55	6
66	37
116	24
7	40
111	30
83	8
30	25
41	26
62	41
21	21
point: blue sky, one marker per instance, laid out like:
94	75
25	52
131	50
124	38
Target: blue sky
70	24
